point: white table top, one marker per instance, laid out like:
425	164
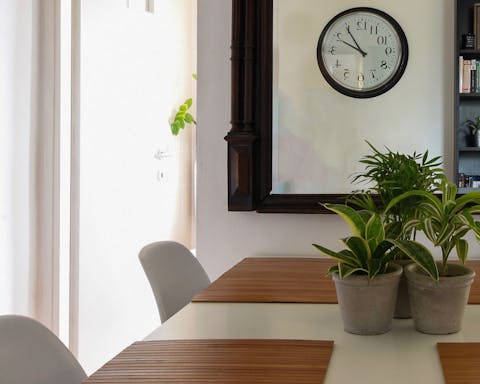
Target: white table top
402	355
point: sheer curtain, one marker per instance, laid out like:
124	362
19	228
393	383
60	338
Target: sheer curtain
29	134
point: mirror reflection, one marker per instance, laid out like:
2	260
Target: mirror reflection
319	134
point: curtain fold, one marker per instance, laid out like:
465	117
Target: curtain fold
29	160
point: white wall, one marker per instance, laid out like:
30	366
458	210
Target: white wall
224	238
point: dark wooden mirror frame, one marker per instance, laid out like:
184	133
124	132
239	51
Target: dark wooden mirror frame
250	137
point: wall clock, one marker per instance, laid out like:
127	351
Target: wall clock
362	52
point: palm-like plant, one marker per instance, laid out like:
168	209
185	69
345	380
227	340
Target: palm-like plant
392	174
445	221
372	245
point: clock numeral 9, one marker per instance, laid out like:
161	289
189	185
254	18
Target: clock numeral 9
388	51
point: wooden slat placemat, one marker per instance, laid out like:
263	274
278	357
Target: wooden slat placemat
460	362
474	297
218	361
273	280
286	280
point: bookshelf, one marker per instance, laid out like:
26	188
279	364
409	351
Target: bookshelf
467	103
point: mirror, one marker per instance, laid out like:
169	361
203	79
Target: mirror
294	140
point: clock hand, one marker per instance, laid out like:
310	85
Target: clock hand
355	41
352	46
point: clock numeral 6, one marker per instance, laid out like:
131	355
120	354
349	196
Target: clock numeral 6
361	77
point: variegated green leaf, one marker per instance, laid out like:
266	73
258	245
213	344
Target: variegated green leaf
374	229
333	269
339	256
351	217
360	249
382	249
462	250
345	271
445	235
420	254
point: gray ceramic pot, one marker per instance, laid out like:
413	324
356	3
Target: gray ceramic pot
366	305
402	307
438	307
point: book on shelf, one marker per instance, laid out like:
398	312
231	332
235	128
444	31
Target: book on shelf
473	76
466	76
460	74
469	75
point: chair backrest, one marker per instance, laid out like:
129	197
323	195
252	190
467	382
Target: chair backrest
175	275
31	354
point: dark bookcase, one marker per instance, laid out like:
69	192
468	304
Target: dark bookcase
467	105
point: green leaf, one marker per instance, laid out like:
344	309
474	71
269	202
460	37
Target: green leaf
374	229
183	107
462	250
333	269
382	248
359	248
374	267
188	103
445	235
188	118
351	217
174	127
345	270
421	255
339	256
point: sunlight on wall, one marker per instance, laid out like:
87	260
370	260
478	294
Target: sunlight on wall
135	69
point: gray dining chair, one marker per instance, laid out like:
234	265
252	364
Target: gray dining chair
31	354
175	275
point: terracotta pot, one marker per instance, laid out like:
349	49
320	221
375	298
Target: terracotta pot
438	307
367	305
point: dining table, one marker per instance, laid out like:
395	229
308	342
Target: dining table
254	325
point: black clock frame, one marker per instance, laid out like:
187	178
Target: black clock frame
384	87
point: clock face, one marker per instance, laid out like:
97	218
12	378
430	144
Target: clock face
362	52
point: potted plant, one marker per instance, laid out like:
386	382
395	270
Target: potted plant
366	281
390	174
472	139
438	295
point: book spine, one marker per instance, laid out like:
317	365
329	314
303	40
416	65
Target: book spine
473	76
477	85
466	76
460	74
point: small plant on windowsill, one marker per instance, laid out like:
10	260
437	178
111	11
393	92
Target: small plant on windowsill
182	116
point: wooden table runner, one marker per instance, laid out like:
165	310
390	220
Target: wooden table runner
218	361
460	362
273	280
286	280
